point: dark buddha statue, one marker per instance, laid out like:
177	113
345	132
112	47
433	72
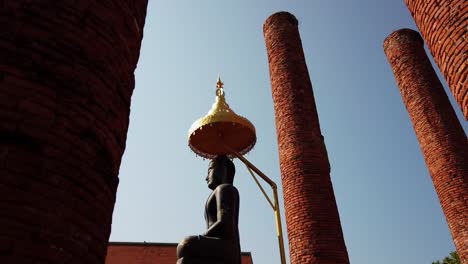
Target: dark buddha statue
220	243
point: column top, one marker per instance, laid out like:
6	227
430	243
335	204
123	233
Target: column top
402	36
281	17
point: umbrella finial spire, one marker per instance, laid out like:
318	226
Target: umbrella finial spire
219	87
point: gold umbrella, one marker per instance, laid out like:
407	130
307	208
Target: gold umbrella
208	135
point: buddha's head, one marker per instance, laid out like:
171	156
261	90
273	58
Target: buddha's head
220	170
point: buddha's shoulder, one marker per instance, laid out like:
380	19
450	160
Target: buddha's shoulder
227	188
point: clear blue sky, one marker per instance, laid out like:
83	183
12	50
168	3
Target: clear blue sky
387	203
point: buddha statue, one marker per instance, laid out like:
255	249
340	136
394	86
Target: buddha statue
220	242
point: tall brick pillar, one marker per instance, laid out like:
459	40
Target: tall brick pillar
441	137
313	223
443	25
66	78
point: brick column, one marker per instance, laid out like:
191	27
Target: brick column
443	25
313	223
66	77
441	137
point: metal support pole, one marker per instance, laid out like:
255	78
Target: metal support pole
279	229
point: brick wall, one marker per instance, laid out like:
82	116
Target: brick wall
443	25
313	223
441	137
66	78
157	253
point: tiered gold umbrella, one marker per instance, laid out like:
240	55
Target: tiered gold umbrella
223	132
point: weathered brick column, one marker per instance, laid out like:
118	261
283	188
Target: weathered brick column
313	223
66	78
441	137
443	25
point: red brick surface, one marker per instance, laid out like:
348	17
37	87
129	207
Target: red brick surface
148	253
441	137
443	25
66	77
313	223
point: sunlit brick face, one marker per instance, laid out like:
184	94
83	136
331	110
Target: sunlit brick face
312	218
442	140
443	25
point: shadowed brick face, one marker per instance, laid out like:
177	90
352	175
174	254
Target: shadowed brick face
313	223
443	25
66	77
441	137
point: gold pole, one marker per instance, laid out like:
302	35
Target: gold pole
279	229
261	188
